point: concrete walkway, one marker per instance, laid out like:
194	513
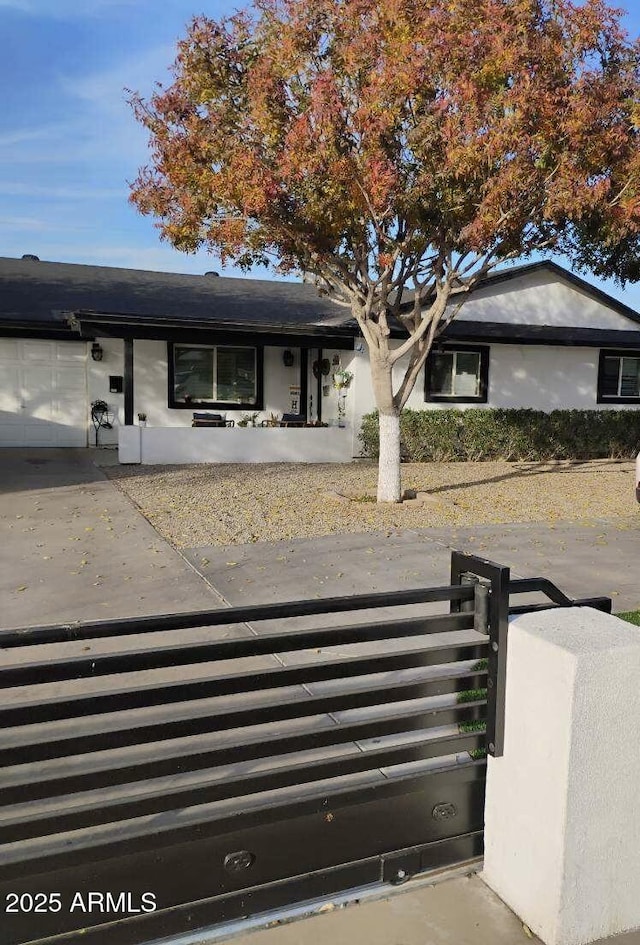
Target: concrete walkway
451	909
584	560
460	911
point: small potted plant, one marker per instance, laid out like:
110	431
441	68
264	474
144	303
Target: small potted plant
342	382
142	419
248	420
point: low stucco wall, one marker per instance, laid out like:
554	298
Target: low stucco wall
562	818
168	445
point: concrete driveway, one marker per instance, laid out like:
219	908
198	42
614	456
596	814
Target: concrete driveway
73	547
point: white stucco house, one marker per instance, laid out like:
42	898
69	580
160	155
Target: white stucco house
167	346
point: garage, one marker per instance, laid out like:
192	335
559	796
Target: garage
43	395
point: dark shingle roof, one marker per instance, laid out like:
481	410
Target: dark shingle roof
41	295
45	292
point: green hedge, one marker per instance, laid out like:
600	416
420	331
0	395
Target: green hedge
463	435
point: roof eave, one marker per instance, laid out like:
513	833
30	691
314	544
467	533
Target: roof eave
84	316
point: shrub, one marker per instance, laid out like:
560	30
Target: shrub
463	435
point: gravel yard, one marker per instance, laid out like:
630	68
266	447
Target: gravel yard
237	504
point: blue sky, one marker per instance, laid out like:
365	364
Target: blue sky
68	141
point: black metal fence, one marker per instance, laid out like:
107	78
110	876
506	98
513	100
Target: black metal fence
182	782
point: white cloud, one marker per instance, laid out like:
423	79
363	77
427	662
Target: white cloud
105	89
26	135
100	129
105	126
26	223
43	225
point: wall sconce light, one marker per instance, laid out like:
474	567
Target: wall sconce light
96	351
287	358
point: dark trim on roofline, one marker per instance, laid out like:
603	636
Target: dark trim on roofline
294	338
44	331
508	334
86	316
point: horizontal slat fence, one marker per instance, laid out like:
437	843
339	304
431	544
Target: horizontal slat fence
236	760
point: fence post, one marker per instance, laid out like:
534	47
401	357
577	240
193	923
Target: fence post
562	816
491	606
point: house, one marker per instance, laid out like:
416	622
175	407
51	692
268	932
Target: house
167	345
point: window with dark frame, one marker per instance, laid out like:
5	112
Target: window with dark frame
457	374
619	377
214	375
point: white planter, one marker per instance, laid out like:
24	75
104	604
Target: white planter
160	445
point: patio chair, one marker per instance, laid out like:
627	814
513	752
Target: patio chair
211	420
293	420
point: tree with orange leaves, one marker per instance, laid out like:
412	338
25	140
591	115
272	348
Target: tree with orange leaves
400	149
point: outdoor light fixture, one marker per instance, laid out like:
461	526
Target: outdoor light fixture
287	358
96	351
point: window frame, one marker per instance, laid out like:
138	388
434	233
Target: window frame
214	404
480	398
614	398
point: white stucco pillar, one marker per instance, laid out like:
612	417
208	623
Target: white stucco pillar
563	803
130	444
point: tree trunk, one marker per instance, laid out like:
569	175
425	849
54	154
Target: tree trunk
389	483
389	487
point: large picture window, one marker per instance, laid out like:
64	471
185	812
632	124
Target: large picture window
215	375
458	374
619	377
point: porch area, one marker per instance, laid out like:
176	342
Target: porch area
169	445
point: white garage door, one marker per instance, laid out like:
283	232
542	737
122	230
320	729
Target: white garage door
43	393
